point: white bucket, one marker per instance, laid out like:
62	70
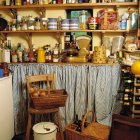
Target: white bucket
45	131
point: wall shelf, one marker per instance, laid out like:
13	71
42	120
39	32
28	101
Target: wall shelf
63	31
72	6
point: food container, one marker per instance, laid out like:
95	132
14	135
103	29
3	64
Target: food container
117	43
74	24
52	23
41	55
45	131
65	24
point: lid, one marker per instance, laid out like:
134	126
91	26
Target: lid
44	127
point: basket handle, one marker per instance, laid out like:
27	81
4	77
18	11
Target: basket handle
85	117
48	85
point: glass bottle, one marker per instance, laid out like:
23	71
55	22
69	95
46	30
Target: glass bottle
56	53
26	55
83	20
31	55
47	55
14	57
19	52
73	43
76	119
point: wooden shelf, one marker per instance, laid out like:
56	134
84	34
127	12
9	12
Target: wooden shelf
136	103
136	51
63	31
136	111
72	6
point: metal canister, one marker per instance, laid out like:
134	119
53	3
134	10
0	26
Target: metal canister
41	55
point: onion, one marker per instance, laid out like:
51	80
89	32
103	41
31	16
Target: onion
42	94
31	90
35	94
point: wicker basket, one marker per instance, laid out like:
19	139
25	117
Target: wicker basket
94	131
55	98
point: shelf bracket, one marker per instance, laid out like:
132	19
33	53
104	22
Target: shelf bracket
116	8
3	36
29	39
13	12
42	12
59	38
102	36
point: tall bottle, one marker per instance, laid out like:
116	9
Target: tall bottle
76	119
73	43
20	52
6	53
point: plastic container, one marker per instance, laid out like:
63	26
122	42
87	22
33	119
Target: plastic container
45	131
117	43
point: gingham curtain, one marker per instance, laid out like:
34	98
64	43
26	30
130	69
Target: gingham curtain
89	87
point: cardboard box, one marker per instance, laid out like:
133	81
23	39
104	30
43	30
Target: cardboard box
108	19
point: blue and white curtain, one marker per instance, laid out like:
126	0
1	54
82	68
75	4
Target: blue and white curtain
89	87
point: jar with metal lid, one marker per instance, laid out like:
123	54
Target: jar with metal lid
37	23
31	23
44	23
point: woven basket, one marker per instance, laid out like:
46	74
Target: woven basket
55	98
94	131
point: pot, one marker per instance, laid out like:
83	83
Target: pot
45	131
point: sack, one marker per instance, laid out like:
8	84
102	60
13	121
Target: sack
95	129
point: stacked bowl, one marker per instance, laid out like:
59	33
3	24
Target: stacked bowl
52	23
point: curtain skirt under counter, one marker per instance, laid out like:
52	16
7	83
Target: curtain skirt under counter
88	86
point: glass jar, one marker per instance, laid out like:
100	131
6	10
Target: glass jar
37	23
31	23
83	20
44	23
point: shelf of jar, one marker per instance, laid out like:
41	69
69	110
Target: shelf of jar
71	5
63	31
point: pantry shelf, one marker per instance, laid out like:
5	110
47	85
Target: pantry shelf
63	31
71	6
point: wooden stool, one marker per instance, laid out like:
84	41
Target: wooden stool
36	79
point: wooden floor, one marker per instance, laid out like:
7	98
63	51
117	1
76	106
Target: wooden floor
22	137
